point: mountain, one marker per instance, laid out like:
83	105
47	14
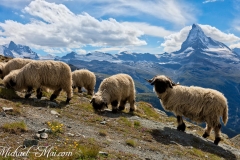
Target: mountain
17	51
198	45
237	50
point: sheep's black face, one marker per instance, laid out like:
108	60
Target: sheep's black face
98	105
161	83
10	84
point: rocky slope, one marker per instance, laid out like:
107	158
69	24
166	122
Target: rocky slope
75	128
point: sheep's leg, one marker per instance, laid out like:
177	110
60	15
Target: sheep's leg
28	94
55	94
217	131
181	125
207	132
132	106
114	106
39	93
122	105
79	89
90	92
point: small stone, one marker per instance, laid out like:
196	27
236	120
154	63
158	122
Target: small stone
103	153
29	143
70	134
55	113
44	130
37	136
3	114
103	122
44	135
7	109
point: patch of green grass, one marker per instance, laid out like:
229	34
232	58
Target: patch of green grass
146	110
131	142
8	93
88	151
103	133
137	124
15	127
125	121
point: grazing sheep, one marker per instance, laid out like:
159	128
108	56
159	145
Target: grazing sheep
196	103
13	64
84	78
37	74
115	89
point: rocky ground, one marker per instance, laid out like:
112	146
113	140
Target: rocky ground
76	131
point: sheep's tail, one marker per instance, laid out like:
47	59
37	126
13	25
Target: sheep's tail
225	115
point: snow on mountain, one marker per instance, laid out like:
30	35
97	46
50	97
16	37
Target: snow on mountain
199	45
17	51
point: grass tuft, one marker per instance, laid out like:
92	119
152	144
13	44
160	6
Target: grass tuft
15	127
131	142
8	93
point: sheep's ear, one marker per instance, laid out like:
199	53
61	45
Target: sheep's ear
161	86
1	71
12	83
92	100
151	81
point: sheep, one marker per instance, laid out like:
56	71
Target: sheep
84	78
115	89
55	75
196	103
13	64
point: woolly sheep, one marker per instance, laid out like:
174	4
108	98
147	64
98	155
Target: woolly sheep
13	64
37	74
115	89
196	103
84	78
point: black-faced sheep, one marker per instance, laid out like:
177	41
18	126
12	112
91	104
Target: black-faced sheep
196	103
37	74
115	89
13	64
84	78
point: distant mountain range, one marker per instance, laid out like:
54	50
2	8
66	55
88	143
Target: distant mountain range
201	61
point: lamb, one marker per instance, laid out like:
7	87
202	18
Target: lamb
55	75
13	64
115	89
196	103
84	78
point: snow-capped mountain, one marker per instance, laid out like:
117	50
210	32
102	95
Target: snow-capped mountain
17	51
198	45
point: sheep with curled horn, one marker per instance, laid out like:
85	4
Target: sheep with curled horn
54	75
196	103
115	90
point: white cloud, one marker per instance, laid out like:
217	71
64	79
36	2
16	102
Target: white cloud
175	12
210	1
155	31
173	42
56	26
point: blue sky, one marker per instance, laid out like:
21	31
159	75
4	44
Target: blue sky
153	26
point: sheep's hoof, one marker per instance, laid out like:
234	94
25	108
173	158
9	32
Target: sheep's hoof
181	127
114	110
53	96
39	96
27	95
132	110
121	108
217	140
68	100
205	135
